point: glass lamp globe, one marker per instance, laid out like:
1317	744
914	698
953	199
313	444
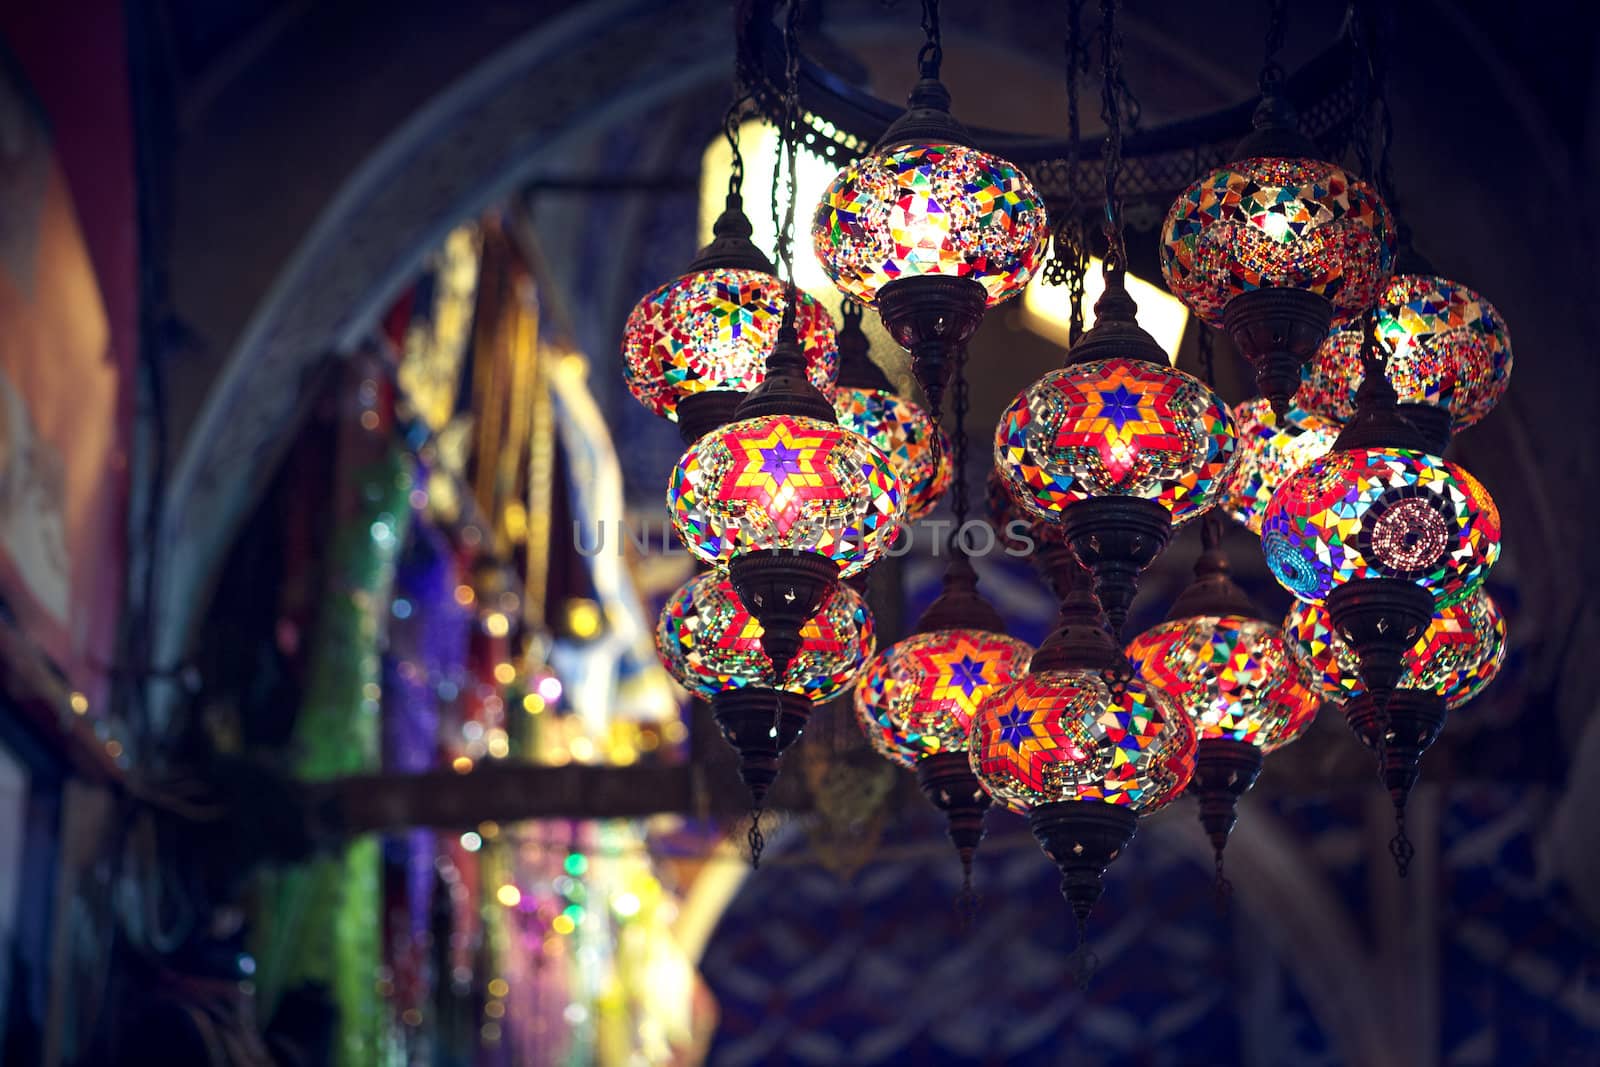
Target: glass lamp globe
1277	223
1442	344
1458	654
786	482
918	697
1115	428
918	450
1372	513
1081	735
710	643
1237	678
1271	450
711	330
930	209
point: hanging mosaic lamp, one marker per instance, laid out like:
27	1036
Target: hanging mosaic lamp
1271	450
1240	680
1082	748
1383	532
1458	654
930	230
866	402
714	647
1117	447
694	347
1444	347
786	500
916	702
1275	247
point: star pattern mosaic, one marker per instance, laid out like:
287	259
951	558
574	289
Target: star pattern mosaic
919	697
784	481
1116	427
1459	653
1081	735
930	209
712	330
1381	513
708	641
917	449
1277	223
1237	678
1441	343
1270	452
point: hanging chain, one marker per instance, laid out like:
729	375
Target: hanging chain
931	54
1208	356
1116	259
788	155
730	130
958	445
1271	77
1069	264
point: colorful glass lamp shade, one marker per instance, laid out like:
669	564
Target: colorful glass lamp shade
786	500
1082	748
713	646
1458	654
1387	536
1275	247
692	348
931	232
1241	681
1445	350
865	401
1117	447
1271	450
915	702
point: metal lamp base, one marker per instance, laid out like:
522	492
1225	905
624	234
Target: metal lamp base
949	784
782	588
1116	538
1278	331
1380	619
759	724
1082	838
932	316
1224	771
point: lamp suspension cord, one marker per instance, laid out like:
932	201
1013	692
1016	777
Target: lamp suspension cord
931	55
1116	260
1270	80
1069	262
958	451
730	131
788	156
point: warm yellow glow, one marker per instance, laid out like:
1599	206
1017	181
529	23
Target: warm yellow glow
496	624
113	749
489	829
505	673
499	747
79	703
673	731
626	905
461	764
1047	311
563	924
758	143
465	596
509	895
583	617
582	749
498	988
494	1009
533	704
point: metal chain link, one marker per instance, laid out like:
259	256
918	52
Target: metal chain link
788	155
931	55
1069	262
1116	259
958	445
1271	76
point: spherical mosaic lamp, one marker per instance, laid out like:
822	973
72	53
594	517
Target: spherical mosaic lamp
786	500
1445	350
931	232
1271	450
916	702
1118	447
1458	654
1275	246
1241	681
866	402
1082	748
713	646
693	347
